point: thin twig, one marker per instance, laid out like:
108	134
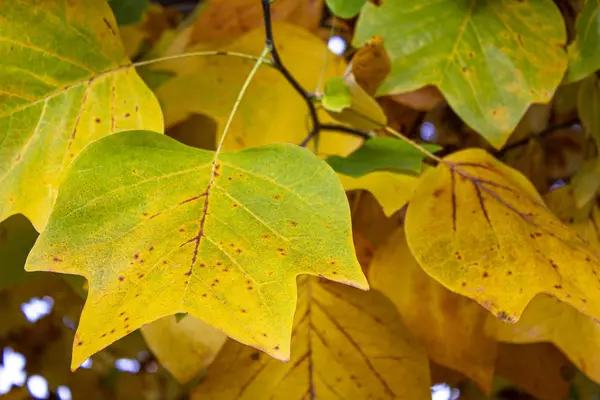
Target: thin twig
346	129
257	65
278	64
415	145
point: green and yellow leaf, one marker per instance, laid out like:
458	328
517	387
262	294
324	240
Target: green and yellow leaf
64	84
491	59
159	228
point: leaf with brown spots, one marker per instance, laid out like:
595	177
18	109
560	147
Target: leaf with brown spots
490	59
64	84
510	244
450	327
234	268
346	344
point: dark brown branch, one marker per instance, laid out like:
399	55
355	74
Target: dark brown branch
308	97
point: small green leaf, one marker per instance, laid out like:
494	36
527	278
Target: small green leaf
128	12
382	153
337	95
345	8
490	58
584	52
160	228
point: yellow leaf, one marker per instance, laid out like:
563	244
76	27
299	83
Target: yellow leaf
271	111
548	320
391	190
450	327
480	229
346	344
183	347
538	368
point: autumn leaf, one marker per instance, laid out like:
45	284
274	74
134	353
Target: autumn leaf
275	112
488	60
393	191
66	83
346	344
548	320
450	327
584	58
480	229
159	228
184	347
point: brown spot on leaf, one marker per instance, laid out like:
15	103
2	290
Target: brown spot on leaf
98	120
557	286
485	275
56	259
255	356
277	197
121	278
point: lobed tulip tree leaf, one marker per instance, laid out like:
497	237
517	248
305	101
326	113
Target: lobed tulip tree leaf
382	153
346	344
63	84
584	52
491	59
159	228
480	229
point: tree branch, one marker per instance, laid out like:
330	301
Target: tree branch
317	126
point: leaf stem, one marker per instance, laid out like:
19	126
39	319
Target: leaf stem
202	54
413	144
259	61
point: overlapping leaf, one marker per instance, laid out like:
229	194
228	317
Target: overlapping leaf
346	344
64	83
450	327
184	347
391	190
491	59
480	229
160	228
